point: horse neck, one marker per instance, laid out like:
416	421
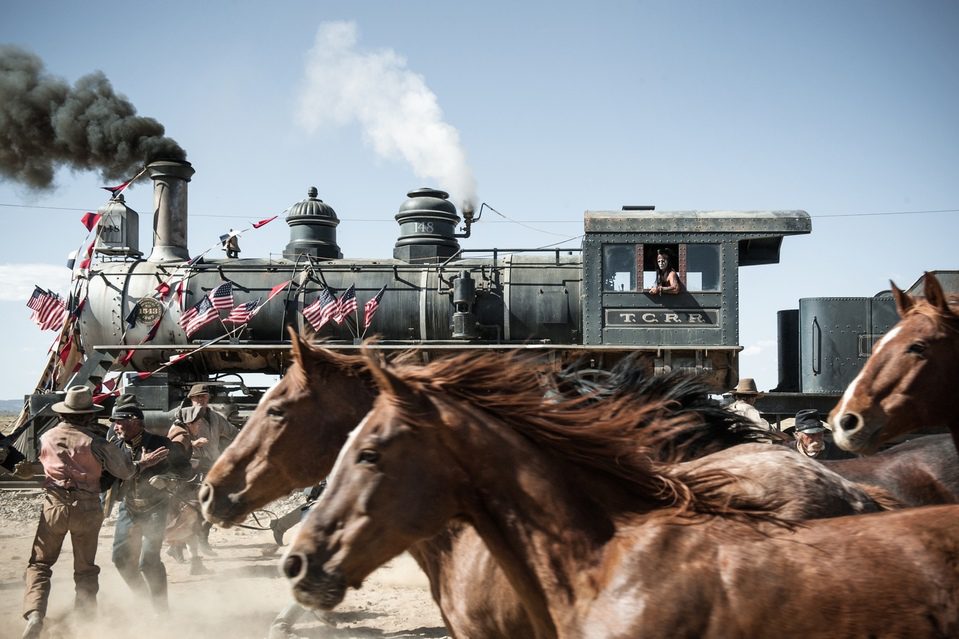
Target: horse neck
539	516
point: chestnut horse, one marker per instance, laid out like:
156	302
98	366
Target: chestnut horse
920	472
300	425
909	380
599	540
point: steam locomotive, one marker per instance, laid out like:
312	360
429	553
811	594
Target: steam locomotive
591	302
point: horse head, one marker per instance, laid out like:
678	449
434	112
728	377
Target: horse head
909	378
388	489
292	437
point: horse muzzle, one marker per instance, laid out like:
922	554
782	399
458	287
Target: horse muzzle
850	433
314	588
217	510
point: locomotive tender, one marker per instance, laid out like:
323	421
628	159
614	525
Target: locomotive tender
439	296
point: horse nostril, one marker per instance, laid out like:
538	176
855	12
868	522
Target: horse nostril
293	566
849	422
206	494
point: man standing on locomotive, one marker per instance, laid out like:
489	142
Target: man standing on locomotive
142	516
74	457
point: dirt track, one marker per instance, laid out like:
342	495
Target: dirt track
238	600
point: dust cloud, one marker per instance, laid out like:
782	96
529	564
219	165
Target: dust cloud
239	599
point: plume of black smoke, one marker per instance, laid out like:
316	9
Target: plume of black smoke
45	124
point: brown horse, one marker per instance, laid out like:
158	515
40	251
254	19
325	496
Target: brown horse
598	539
921	472
300	425
909	379
292	440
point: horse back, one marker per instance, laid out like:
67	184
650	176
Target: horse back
886	574
921	472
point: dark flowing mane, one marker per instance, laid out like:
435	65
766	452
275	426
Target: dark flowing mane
716	429
619	438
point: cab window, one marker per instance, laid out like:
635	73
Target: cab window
702	267
619	267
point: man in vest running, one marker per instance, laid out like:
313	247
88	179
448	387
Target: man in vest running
73	456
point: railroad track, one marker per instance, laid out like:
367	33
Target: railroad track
9	482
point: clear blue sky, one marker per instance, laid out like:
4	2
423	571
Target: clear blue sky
844	109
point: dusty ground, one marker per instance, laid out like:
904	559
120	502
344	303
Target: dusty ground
238	600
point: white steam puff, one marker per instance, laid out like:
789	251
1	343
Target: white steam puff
398	113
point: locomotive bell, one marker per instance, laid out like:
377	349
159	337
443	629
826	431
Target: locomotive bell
313	225
427	227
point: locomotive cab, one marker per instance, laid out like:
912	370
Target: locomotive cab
697	329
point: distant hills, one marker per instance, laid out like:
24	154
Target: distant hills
10	405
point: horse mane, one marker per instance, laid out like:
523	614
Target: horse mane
619	438
716	429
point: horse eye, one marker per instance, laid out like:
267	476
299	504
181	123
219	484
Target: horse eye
368	456
917	348
274	411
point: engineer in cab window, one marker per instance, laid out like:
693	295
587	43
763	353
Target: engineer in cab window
667	279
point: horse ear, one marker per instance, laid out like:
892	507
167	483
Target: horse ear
301	350
298	345
933	291
903	301
386	380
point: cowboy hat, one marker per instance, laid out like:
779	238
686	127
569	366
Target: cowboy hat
78	401
746	386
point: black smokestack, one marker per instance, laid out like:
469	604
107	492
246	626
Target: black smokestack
46	123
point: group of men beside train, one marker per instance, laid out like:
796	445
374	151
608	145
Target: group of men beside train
86	471
809	433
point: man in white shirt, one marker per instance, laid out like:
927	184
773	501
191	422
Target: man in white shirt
745	396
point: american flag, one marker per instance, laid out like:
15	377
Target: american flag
222	296
49	310
198	316
37	298
347	305
189	314
369	309
242	313
321	310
